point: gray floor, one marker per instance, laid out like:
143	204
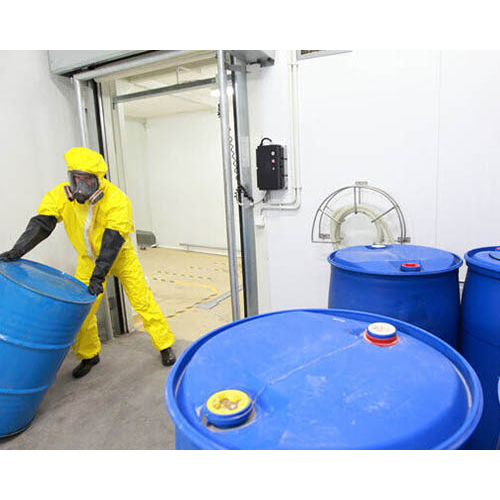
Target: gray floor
119	405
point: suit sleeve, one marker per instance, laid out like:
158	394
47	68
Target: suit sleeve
119	217
53	202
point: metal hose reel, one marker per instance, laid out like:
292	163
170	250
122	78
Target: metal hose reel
379	207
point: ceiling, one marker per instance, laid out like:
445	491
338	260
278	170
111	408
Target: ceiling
183	101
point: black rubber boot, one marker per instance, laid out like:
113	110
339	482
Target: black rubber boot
168	357
85	366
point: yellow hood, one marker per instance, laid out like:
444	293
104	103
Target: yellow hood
86	160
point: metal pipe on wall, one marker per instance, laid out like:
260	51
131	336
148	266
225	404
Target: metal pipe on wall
228	184
293	104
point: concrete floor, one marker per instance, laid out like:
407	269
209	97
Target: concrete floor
120	404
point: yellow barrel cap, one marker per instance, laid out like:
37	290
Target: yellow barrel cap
228	402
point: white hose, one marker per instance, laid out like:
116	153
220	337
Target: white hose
384	234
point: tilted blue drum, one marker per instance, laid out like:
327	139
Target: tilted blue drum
41	311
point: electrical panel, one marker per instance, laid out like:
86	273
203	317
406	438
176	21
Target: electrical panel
270	166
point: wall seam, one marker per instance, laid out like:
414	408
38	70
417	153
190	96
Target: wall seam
438	144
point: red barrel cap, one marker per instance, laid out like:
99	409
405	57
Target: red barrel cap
381	334
410	266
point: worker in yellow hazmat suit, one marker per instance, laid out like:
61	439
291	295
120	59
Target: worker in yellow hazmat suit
97	217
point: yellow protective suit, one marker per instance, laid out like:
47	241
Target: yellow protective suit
85	225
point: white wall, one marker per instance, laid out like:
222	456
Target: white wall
180	157
38	125
137	175
469	151
422	125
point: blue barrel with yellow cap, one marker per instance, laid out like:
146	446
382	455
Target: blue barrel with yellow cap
322	379
412	283
480	337
41	311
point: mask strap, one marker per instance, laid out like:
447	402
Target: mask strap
68	193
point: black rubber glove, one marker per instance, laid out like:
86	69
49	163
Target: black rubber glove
95	286
112	242
39	228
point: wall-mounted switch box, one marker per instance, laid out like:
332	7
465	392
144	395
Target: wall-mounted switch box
270	167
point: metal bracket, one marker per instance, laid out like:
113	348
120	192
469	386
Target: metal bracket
261	57
236	67
328	218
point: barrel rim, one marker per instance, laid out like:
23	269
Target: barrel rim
398	273
18	431
464	369
45	294
472	261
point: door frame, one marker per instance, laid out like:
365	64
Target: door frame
106	130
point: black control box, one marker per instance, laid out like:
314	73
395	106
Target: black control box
270	167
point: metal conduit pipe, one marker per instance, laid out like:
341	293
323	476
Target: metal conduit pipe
293	100
228	184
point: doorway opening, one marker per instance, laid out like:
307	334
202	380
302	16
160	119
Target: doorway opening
163	142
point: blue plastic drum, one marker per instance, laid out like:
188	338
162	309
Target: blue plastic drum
322	379
41	311
412	283
480	337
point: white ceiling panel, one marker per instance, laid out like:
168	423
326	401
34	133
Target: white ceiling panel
185	101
